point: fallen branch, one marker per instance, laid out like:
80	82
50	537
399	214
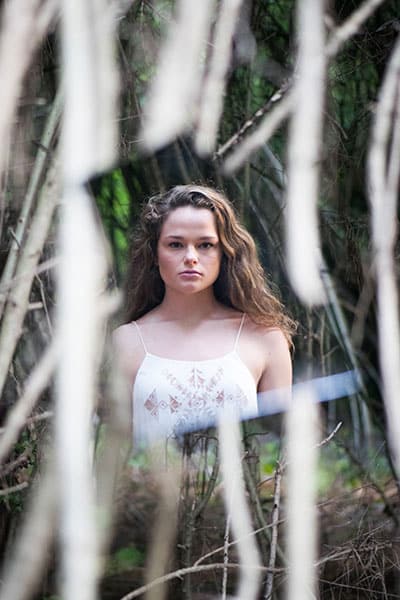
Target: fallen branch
182	572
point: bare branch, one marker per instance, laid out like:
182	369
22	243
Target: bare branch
18	300
274	538
30	198
35	384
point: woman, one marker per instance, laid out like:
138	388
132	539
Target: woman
203	332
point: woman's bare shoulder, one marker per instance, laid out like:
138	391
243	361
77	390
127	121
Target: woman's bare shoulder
126	337
270	337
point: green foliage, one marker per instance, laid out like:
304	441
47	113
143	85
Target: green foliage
337	468
269	454
124	559
114	203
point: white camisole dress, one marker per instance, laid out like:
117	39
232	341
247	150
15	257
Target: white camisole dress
172	397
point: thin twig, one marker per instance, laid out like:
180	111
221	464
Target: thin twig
274	538
330	436
226	557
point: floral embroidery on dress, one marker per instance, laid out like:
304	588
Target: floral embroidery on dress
196	398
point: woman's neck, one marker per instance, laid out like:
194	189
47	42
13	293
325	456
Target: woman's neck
188	308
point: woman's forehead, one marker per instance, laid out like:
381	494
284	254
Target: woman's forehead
188	219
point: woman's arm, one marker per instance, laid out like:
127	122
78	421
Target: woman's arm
277	373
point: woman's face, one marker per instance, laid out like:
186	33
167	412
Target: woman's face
188	250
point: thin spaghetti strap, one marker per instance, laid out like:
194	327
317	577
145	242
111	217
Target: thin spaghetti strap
239	332
140	335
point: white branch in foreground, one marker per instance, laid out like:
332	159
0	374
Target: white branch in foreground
87	126
175	90
214	85
237	509
301	433
304	155
383	199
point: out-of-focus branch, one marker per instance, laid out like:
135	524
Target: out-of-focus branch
18	299
269	124
88	146
164	531
15	488
214	85
351	26
30	197
301	433
174	93
35	384
383	179
235	501
303	249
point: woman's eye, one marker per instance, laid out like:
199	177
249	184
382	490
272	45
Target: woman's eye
175	245
206	245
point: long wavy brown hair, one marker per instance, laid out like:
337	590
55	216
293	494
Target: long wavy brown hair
241	283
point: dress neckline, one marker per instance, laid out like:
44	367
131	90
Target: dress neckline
194	360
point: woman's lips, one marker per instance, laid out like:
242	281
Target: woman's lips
190	274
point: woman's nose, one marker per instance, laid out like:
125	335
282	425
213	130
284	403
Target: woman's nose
191	255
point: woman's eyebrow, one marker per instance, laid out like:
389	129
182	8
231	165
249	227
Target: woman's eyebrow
203	237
